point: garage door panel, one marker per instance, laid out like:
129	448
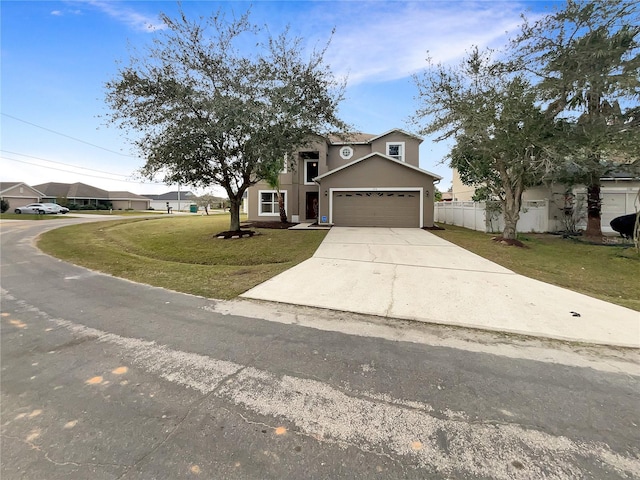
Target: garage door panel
377	209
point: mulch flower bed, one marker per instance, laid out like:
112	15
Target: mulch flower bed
276	225
235	234
509	241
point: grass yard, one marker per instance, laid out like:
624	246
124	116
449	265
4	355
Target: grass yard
610	273
28	216
181	253
117	212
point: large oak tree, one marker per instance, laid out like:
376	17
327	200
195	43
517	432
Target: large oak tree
219	101
585	60
501	136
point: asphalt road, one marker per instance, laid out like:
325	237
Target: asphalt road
106	379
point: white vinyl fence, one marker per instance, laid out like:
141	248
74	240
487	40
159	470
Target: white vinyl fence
534	216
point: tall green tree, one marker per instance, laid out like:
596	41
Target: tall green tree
585	59
211	103
501	136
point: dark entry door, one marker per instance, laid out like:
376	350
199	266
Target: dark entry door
312	206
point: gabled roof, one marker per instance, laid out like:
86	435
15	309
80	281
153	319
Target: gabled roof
365	138
72	190
124	195
397	130
351	138
82	190
377	154
171	196
4	186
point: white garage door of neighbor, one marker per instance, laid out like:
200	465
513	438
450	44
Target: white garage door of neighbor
613	205
376	209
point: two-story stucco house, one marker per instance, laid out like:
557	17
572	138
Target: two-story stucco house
367	180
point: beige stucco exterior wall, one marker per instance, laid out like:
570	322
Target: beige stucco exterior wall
411	145
20	195
137	204
460	191
334	160
293	181
378	173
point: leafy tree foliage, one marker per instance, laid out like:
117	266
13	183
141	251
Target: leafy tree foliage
501	136
586	58
272	177
208	201
209	113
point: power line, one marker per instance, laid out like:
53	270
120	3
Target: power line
82	174
67	136
65	164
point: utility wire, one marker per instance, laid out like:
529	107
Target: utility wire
65	164
83	174
67	136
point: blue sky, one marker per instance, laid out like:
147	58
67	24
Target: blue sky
57	56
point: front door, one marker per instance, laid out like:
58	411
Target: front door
312	206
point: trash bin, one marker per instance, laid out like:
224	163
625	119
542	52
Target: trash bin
193	208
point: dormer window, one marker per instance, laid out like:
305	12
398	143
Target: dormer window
396	150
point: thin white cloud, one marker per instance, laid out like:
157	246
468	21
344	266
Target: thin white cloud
388	43
128	16
56	13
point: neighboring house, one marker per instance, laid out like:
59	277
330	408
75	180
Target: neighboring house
177	200
19	194
366	180
618	192
83	194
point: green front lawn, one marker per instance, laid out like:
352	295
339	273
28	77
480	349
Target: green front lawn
28	216
181	253
610	273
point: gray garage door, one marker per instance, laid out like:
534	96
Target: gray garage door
376	209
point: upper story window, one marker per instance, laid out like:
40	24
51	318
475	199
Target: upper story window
310	171
346	152
396	150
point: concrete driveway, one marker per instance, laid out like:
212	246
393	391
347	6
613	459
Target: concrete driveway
413	274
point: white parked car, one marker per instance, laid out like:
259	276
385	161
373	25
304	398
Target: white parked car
57	208
42	208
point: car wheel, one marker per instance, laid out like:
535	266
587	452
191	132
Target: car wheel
17	210
42	212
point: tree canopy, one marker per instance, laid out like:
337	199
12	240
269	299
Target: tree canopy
560	103
585	60
501	136
219	101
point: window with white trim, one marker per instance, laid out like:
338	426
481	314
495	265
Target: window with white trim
268	202
346	152
310	171
396	150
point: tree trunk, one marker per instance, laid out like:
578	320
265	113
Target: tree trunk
283	211
234	210
511	202
594	204
511	216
